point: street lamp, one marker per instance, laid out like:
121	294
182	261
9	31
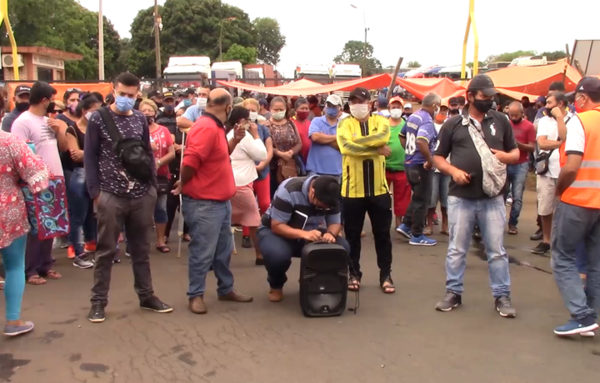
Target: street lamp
221	36
364	70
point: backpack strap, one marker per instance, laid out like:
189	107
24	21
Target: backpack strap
110	125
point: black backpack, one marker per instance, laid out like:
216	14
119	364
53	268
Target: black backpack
133	152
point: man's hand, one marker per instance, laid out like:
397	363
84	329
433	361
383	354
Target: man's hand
239	132
501	156
312	236
176	188
177	147
253	130
384	151
57	125
461	177
558	112
329	238
428	165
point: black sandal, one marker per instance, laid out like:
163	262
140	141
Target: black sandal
353	283
389	288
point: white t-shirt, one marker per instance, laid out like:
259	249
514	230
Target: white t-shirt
548	127
575	136
33	128
244	158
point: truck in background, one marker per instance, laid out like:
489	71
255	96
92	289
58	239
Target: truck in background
345	72
265	72
317	73
187	71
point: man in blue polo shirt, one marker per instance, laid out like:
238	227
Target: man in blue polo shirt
419	138
193	112
300	206
324	157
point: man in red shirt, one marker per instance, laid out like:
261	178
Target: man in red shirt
207	185
524	132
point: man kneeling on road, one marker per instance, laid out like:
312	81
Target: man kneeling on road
300	206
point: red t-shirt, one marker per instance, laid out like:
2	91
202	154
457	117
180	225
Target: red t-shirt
303	127
207	152
162	138
524	132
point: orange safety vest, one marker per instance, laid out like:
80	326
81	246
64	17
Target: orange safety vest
585	190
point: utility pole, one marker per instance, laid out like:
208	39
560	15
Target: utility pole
157	23
364	60
100	42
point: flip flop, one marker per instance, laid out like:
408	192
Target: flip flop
427	232
445	232
353	283
51	274
36	280
163	249
389	288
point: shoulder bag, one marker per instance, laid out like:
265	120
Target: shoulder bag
542	160
133	152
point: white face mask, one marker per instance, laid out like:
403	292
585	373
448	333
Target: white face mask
396	114
253	116
88	115
278	116
202	102
359	111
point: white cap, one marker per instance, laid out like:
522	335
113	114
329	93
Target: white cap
334	99
408	106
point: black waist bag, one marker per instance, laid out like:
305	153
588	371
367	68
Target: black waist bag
132	152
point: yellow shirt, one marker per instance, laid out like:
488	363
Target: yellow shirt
363	168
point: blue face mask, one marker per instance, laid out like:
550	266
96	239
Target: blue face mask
331	111
124	104
187	102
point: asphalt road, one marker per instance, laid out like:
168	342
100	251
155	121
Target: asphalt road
397	338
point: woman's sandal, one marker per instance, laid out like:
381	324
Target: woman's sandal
353	283
51	274
427	231
36	280
163	249
387	286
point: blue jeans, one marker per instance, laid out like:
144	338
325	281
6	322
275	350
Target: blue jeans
572	226
211	244
516	177
490	215
13	258
81	209
439	190
160	211
278	253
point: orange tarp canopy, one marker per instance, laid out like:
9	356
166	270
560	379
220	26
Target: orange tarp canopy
104	88
419	87
306	87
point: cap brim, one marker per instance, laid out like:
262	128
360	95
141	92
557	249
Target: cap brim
488	92
18	94
571	94
354	97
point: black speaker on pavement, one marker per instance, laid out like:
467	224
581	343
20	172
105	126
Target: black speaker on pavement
323	280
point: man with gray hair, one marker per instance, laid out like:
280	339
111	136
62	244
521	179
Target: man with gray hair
419	138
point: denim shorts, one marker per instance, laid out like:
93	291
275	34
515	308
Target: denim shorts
439	190
160	210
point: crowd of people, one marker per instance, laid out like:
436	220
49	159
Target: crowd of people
292	171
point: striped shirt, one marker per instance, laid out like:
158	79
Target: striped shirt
362	167
291	206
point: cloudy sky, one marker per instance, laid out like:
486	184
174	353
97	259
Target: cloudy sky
430	32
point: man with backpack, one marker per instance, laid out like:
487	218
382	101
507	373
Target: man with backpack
121	178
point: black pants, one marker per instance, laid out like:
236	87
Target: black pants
172	206
379	209
420	181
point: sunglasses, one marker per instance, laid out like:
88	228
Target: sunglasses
73	90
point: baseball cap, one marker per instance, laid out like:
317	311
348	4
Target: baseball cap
189	91
360	93
396	99
22	89
587	84
482	83
168	94
263	102
382	102
408	106
154	93
334	99
453	101
541	99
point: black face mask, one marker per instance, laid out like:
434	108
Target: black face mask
159	104
517	120
454	112
150	119
50	108
483	106
22	106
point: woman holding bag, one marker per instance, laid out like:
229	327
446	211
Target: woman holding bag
164	152
17	162
82	206
286	144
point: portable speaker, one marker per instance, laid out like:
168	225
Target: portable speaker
323	280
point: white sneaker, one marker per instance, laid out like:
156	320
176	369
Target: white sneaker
83	263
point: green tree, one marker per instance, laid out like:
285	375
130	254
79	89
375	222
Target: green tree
239	53
270	41
553	56
509	56
64	25
414	64
354	52
481	64
189	29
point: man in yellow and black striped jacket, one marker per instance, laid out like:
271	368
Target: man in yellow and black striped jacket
362	139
